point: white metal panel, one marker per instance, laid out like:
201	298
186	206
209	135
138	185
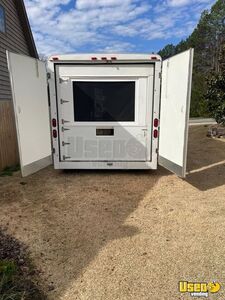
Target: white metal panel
174	114
137	70
29	88
106	165
127	144
138	132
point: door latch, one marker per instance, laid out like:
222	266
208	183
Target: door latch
65	129
145	132
65	121
66	157
64	144
63	101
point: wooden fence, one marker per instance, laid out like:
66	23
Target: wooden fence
8	141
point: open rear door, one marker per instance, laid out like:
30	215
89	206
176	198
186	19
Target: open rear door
30	99
174	114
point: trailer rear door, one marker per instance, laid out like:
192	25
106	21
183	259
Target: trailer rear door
30	99
174	113
105	112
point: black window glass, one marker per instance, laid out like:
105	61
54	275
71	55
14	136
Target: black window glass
2	19
104	101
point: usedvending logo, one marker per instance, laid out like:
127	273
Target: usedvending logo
199	289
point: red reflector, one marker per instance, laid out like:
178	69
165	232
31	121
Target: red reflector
54	123
94	58
153	57
54	133
156	122
155	133
113	58
55	58
104	58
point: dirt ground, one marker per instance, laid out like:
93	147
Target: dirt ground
123	235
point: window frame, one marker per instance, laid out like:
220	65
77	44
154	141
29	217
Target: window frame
2	8
107	81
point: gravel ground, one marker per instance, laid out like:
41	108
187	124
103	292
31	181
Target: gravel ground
123	235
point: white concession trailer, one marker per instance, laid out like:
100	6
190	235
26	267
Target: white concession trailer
102	111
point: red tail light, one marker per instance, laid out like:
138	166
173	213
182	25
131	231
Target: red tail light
156	122
54	133
54	123
155	133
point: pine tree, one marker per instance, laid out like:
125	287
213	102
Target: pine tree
168	51
215	95
207	39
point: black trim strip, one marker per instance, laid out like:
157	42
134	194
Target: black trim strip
57	110
103	63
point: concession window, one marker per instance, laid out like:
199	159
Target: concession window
108	101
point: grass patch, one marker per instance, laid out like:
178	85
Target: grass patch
9	288
8	171
18	277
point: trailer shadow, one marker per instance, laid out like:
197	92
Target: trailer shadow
68	217
206	160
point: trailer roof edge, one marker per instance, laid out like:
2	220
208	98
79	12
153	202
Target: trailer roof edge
104	57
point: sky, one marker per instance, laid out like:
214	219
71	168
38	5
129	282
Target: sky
115	26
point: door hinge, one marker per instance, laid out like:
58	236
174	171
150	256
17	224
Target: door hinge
37	68
65	121
53	150
160	75
63	101
145	132
65	129
66	157
48	75
63	143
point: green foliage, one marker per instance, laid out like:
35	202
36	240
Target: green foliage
8	279
167	51
216	97
207	39
8	268
8	171
14	285
18	276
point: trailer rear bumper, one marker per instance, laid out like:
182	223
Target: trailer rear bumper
106	165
